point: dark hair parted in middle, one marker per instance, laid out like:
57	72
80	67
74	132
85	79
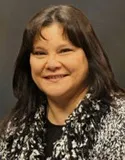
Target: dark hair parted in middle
80	32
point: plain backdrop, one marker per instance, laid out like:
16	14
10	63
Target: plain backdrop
106	16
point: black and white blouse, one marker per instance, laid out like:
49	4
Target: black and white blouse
94	131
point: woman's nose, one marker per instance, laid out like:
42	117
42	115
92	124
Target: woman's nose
53	63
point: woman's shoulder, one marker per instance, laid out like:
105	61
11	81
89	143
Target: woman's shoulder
117	110
114	121
110	140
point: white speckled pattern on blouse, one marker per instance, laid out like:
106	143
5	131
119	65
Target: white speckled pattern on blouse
94	131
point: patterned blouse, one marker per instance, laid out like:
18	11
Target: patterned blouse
94	131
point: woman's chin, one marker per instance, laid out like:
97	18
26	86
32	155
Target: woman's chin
57	95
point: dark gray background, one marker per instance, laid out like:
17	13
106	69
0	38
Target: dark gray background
106	16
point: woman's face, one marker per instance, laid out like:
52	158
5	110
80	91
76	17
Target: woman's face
58	68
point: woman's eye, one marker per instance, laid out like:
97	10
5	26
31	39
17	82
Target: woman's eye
65	50
39	53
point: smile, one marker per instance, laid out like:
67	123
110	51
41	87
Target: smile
54	78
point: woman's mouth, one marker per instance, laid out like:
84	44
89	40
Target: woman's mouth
55	78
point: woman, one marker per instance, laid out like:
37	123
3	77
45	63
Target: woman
69	105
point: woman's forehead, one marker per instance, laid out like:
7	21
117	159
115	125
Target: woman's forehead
55	30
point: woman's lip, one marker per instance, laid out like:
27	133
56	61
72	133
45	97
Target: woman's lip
54	78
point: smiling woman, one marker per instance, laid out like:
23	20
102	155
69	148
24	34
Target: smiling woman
60	67
69	104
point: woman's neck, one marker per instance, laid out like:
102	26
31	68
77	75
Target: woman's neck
59	109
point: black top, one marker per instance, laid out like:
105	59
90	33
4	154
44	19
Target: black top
53	133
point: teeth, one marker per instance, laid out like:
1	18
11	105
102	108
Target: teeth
55	77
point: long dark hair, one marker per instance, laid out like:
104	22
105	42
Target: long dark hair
80	32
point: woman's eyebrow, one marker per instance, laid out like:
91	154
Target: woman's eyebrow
57	47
